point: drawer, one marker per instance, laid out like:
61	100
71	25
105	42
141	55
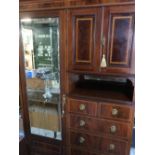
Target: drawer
75	151
108	146
82	107
114	111
100	126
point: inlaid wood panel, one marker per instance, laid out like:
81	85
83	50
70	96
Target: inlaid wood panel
82	107
100	126
119	36
84	35
120	39
84	28
100	144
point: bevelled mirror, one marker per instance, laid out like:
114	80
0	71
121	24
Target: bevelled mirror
40	38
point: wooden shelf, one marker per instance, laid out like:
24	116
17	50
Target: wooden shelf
101	95
103	91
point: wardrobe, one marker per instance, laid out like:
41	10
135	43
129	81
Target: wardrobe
77	76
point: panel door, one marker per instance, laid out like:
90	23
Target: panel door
84	37
118	40
41	73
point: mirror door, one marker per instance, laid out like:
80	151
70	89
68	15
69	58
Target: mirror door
40	38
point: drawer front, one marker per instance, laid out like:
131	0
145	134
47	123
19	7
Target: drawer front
101	127
82	107
75	151
114	111
99	144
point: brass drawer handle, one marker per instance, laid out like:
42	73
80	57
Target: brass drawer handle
114	112
112	147
82	107
81	140
82	123
113	129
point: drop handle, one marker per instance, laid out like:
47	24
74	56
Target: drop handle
81	140
113	129
82	123
112	147
82	107
114	112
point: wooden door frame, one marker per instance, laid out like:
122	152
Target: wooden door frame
62	51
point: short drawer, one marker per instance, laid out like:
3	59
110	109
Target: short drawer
89	142
115	111
82	107
100	126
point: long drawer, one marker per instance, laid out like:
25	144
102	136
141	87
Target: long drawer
82	107
75	151
115	111
105	145
100	126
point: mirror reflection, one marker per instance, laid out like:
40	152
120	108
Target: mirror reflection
40	37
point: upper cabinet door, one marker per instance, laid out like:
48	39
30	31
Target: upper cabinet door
118	36
84	39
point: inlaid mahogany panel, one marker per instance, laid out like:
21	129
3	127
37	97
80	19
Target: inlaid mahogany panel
84	41
84	35
100	126
84	38
119	39
118	33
